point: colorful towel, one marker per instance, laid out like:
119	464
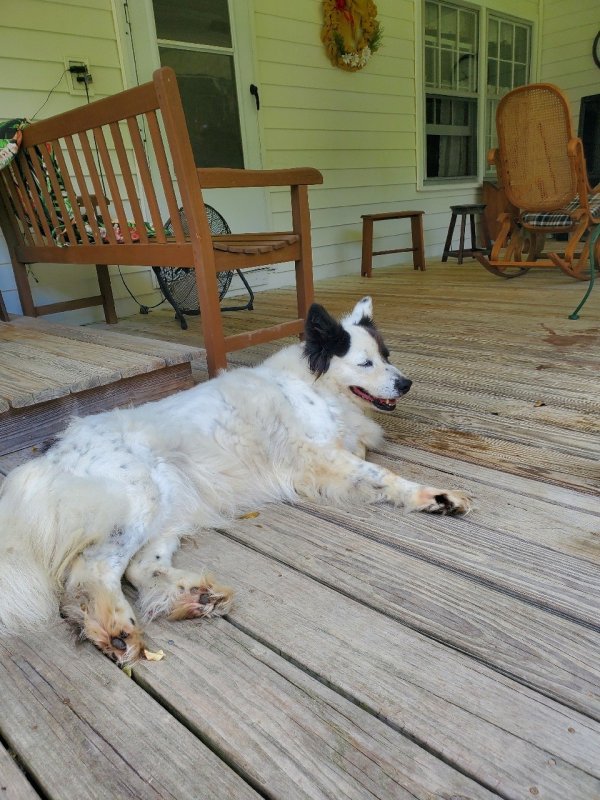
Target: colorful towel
10	142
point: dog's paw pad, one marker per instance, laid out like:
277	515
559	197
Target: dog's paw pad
436	501
123	645
206	599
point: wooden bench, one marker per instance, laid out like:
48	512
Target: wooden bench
418	242
77	172
50	372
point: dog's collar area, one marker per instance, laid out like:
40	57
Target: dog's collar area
382	403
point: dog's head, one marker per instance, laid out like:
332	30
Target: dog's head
353	355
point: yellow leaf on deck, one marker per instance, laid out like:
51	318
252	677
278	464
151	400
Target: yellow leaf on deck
250	515
150	656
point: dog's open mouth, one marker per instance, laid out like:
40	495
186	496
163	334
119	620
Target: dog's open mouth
382	403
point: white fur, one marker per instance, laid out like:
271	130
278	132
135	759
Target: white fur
116	483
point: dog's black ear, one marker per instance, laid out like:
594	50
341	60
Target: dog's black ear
324	338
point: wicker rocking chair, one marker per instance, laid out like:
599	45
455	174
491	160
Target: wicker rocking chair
541	167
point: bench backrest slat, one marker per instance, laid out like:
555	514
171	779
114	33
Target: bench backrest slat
163	168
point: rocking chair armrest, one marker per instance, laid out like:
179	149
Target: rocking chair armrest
223	178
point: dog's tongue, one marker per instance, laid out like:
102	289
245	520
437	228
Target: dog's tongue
382	403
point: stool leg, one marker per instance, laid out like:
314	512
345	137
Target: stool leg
487	239
473	233
461	246
418	242
367	248
449	237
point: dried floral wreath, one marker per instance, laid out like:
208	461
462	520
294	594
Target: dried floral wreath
351	32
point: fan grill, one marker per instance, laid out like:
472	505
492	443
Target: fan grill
181	282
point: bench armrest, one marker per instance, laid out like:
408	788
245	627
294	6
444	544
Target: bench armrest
222	178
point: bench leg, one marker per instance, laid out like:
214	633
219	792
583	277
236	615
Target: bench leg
366	267
448	244
108	300
418	242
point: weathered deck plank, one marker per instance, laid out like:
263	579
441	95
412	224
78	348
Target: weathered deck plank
502	734
567	585
373	603
86	731
293	737
554	655
13	783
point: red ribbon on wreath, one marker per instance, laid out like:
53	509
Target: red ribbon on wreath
341	6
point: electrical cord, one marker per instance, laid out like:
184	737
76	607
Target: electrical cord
62	75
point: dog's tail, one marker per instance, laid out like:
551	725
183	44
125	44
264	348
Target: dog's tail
28	596
28	599
47	517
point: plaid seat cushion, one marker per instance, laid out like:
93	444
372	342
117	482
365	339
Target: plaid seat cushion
561	219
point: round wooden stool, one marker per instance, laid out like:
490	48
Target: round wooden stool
471	211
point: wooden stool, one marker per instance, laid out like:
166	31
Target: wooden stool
418	244
463	212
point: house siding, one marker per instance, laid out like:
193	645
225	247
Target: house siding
360	129
35	39
566	49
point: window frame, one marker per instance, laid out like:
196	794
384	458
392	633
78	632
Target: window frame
484	13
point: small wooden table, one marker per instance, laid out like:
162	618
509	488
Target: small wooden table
418	242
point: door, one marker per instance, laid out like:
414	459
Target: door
209	45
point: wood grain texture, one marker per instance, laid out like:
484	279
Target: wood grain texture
502	734
28	427
13	783
556	656
294	737
86	730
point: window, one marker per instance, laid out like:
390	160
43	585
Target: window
457	107
194	37
508	58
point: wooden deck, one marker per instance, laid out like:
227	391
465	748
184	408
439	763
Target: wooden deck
372	654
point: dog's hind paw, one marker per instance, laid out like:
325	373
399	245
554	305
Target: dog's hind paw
200	597
441	501
108	622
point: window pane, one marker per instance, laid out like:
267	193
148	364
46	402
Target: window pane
505	79
452	139
198	21
507	31
431	19
449	26
493	38
208	92
431	78
521	37
520	76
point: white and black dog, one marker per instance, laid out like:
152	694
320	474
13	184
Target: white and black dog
115	493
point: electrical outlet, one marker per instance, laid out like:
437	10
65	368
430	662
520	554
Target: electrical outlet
78	86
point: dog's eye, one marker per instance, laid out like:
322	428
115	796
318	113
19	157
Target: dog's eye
367	363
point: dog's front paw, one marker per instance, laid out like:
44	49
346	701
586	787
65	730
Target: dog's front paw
442	501
200	597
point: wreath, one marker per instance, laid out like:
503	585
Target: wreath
351	32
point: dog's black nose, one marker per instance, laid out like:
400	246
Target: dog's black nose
402	386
